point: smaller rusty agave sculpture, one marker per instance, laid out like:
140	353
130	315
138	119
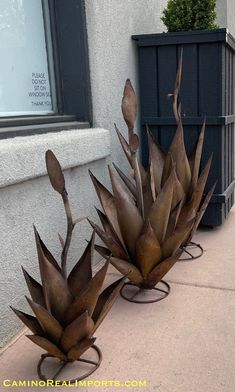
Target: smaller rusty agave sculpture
152	214
69	309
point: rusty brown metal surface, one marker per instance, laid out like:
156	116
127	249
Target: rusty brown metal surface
67	308
152	214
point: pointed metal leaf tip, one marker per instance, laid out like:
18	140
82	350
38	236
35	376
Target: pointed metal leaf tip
81	273
106	300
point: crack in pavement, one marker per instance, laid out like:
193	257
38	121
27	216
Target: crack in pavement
204	286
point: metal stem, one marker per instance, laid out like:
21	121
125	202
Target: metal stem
70	227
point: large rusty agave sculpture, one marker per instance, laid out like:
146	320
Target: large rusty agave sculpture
68	309
152	214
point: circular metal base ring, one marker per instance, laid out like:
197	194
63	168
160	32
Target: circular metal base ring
192	256
95	364
140	291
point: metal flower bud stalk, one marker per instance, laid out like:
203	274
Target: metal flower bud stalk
153	213
67	309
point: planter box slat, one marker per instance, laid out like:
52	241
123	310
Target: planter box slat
208	73
207	89
190	81
147	63
214	120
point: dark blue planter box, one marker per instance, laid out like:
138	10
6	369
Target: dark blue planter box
207	89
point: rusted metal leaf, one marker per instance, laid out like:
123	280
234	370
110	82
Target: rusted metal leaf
160	210
126	148
176	108
79	329
198	193
88	298
35	289
105	302
172	243
104	252
30	321
82	272
129	106
55	287
129	183
114	247
55	172
148	250
178	191
161	269
157	160
46	252
152	182
202	210
173	219
189	211
129	218
107	201
178	153
197	157
107	227
51	326
147	193
138	181
48	346
127	269
80	348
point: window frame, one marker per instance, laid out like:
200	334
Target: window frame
72	76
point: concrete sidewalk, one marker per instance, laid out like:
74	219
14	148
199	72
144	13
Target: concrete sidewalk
185	343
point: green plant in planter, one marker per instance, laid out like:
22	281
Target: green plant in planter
68	308
152	214
187	15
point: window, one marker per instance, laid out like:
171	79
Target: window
25	83
44	71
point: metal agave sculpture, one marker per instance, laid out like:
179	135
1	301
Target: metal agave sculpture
68	309
154	212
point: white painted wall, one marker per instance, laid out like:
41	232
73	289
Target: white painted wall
27	198
231	16
113	54
226	14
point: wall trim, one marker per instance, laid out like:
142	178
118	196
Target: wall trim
22	158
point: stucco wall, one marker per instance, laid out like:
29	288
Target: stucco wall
113	54
231	16
27	198
226	14
221	10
